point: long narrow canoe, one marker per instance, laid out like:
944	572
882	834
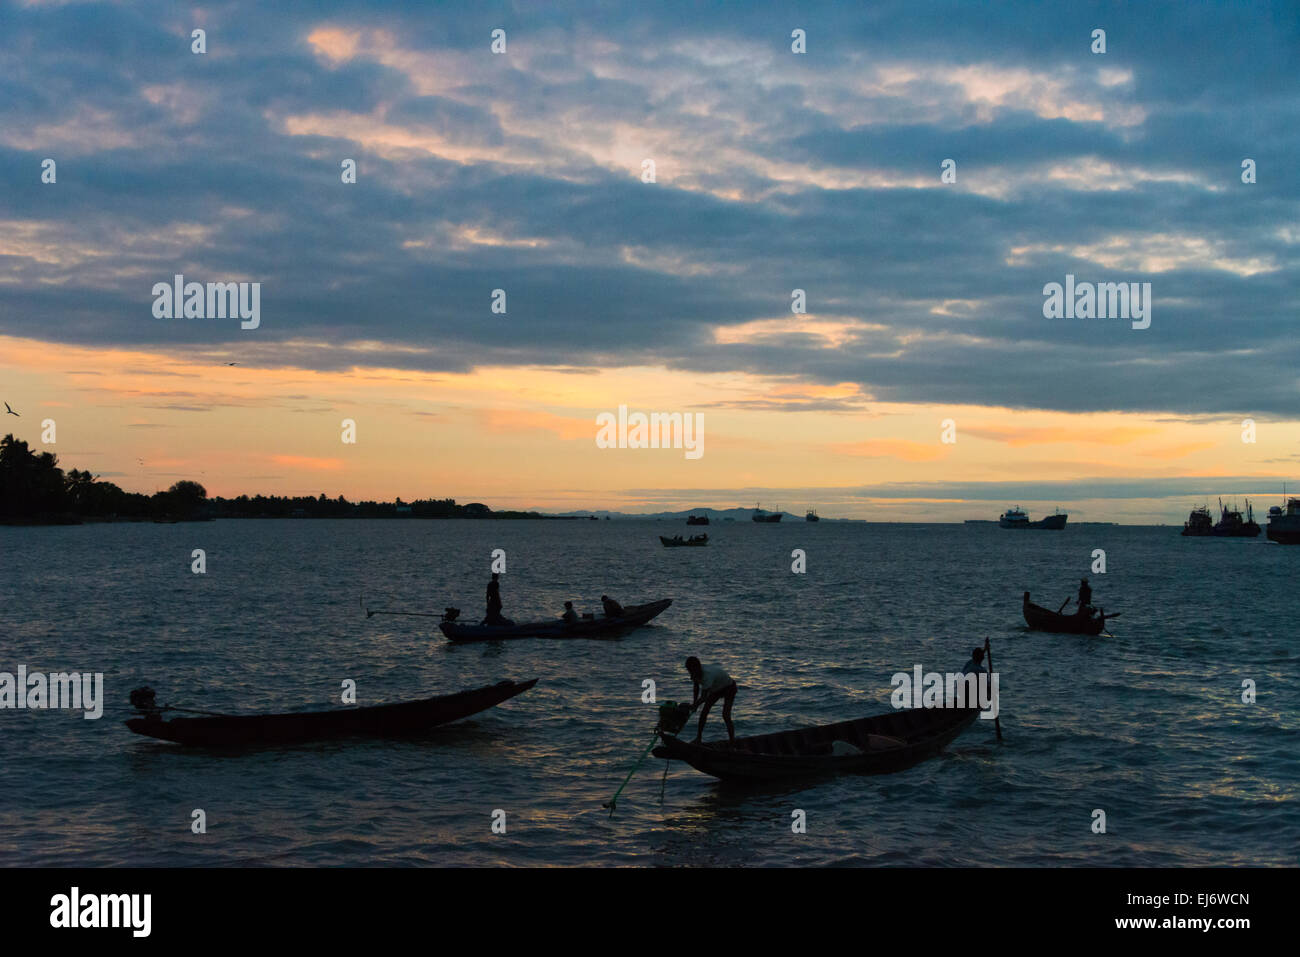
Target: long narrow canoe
602	627
404	717
876	745
1043	619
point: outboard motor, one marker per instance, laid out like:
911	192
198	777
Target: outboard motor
673	716
145	701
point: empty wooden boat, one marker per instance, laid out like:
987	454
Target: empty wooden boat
229	730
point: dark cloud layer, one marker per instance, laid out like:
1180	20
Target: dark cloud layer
776	171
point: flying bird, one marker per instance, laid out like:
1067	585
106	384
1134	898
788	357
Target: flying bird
11	411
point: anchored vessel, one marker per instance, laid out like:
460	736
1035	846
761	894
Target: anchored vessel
765	517
697	520
405	717
812	516
1231	524
1284	523
1017	518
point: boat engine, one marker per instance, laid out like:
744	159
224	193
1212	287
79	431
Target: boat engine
673	716
145	700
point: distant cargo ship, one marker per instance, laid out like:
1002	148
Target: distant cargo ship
697	520
1231	523
1017	518
1284	523
765	517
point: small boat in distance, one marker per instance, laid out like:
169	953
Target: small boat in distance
234	730
1043	619
587	627
697	520
879	744
678	542
1284	523
812	516
1018	518
766	518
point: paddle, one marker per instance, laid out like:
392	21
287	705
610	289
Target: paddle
988	656
370	613
1063	604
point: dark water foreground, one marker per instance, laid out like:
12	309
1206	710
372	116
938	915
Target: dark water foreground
1148	726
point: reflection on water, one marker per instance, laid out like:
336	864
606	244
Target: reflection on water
1148	726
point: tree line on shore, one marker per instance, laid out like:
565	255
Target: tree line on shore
35	490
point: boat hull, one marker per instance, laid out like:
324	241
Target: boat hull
633	617
406	717
886	743
1043	619
1248	530
1284	536
1051	522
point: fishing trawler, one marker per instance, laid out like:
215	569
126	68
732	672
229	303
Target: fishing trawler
812	516
765	517
1018	518
1199	522
1284	523
1231	523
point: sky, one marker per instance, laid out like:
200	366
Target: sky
921	382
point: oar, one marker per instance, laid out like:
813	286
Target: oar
1063	604
988	656
378	611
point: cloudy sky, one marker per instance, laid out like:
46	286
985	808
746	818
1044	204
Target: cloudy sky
524	171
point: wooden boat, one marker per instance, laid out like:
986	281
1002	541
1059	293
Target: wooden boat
600	627
679	542
876	745
1043	619
404	717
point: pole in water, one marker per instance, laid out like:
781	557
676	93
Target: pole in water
988	656
612	803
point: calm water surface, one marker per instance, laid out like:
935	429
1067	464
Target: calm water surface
1148	726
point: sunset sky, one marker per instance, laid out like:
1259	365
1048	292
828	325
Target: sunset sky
774	171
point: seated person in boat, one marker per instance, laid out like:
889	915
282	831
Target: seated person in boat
570	616
976	663
493	598
711	683
612	608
